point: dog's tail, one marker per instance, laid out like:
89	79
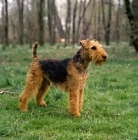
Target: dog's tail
35	51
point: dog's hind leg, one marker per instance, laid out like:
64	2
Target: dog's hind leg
41	92
33	83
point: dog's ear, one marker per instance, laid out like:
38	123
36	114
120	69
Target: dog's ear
95	40
85	43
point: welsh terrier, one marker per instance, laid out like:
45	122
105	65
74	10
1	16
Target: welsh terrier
68	74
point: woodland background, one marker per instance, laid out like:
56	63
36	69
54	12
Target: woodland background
68	21
110	109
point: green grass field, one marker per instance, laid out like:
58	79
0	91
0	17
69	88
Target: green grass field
110	110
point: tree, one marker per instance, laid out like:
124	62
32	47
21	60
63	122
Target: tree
82	10
68	21
6	24
20	4
58	23
107	23
41	7
133	23
51	20
87	22
5	28
13	31
26	21
117	25
74	21
99	21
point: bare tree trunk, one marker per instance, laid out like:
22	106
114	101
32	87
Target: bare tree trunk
29	25
95	24
86	24
68	20
108	24
13	30
58	23
21	25
6	24
53	23
51	20
99	22
133	26
4	28
2	37
74	21
117	26
49	12
40	5
85	5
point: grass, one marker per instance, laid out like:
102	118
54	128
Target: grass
110	110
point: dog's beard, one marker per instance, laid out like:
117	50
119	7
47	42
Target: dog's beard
99	61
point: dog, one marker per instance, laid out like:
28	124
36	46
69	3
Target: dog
68	74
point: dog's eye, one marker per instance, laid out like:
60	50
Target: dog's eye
93	47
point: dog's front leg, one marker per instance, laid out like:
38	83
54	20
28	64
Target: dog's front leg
74	102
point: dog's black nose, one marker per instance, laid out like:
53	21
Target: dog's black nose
104	57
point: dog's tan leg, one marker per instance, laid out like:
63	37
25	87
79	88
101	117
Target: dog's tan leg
26	94
74	102
41	93
33	83
81	99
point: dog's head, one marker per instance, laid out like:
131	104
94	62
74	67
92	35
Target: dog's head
93	51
